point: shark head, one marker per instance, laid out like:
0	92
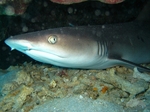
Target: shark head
61	47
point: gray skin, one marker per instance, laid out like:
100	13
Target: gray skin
88	47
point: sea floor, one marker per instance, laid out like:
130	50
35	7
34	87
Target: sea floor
45	88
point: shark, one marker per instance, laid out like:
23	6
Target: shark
90	47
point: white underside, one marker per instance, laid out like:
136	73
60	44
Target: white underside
69	62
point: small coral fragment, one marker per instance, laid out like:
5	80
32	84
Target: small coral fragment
112	1
138	75
53	84
95	89
13	7
16	98
78	1
104	89
67	1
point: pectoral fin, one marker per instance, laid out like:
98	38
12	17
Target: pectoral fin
130	64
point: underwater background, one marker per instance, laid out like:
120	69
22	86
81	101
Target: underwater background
27	85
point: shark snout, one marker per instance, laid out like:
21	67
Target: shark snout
18	44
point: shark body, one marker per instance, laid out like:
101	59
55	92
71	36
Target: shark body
88	47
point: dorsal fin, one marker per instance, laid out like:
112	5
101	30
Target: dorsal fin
145	13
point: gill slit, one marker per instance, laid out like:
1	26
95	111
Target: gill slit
102	48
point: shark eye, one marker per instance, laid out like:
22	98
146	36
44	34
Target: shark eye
52	39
